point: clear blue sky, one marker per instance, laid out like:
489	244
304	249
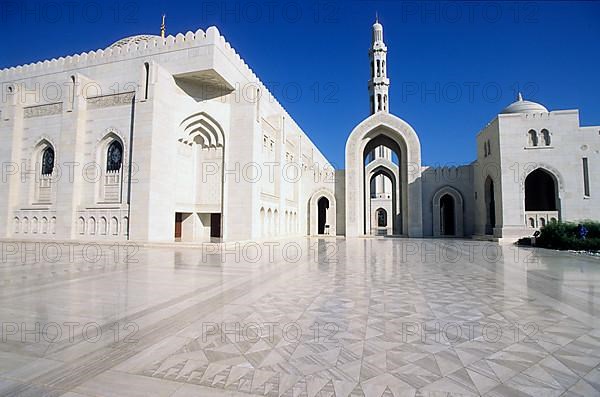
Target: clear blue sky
453	66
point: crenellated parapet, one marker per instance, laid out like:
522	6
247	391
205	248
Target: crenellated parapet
137	49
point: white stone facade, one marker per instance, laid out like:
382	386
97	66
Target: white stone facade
176	139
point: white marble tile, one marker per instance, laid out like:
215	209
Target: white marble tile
370	323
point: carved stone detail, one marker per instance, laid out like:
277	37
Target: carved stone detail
42	110
110	100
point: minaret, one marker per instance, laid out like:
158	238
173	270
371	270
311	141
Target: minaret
379	83
163	27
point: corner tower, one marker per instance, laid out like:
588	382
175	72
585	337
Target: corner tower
379	83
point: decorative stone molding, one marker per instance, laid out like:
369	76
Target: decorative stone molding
42	110
104	101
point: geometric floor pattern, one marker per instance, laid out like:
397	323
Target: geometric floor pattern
361	317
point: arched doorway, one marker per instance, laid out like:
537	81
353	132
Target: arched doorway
540	191
382	174
322	207
490	206
447	226
381	217
448	215
384	129
321	213
541	198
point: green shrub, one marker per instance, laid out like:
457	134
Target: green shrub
564	236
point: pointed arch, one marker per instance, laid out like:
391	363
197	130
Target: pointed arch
384	128
111	156
322	214
447	203
202	129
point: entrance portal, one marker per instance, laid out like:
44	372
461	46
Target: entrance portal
447	226
323	206
399	138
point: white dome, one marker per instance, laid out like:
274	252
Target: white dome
523	106
133	40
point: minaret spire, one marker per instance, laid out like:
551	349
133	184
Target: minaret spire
163	27
379	82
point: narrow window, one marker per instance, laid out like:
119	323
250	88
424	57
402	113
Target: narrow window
546	137
73	91
147	79
586	178
378	68
533	139
258	104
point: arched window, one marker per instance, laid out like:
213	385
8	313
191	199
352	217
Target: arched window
81	225
48	161
92	225
114	226
533	138
114	156
103	226
378	68
546	137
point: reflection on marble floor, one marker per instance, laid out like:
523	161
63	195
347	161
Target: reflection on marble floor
361	317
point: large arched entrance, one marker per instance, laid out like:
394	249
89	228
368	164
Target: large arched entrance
322	213
541	198
384	129
200	216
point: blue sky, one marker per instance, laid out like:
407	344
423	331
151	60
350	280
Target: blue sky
453	66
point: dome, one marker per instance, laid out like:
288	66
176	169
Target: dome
133	40
523	106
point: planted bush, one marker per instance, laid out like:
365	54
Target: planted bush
565	236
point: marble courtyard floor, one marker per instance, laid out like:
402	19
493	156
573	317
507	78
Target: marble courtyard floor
359	317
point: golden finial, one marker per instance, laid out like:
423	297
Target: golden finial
162	27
